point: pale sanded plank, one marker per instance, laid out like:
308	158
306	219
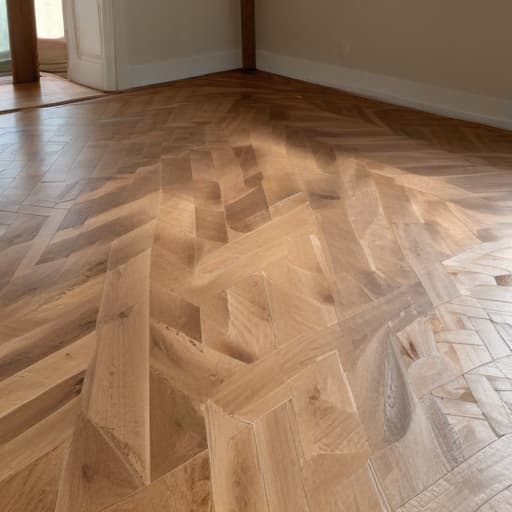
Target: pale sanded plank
237	478
280	463
489	472
186	488
36	392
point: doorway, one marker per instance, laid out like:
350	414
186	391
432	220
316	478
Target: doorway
5	47
34	57
51	41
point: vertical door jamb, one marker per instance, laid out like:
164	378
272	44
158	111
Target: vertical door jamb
23	39
248	34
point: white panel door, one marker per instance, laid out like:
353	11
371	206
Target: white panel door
91	43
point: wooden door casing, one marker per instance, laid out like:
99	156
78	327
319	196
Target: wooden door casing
23	40
248	35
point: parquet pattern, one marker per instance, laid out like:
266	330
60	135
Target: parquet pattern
244	293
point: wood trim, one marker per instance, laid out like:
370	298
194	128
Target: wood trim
23	39
248	34
99	67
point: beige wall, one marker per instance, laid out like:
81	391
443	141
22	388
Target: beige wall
457	44
163	30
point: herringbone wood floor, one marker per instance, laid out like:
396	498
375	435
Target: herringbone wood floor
250	294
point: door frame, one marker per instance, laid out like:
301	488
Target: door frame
91	62
21	18
248	22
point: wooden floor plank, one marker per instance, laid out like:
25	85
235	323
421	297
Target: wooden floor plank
269	296
280	463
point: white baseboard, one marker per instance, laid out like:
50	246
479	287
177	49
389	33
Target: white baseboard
437	100
169	71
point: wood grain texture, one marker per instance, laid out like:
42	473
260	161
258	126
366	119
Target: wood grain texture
248	10
23	38
246	293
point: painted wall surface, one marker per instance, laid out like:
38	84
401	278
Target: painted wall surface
458	44
162	30
164	40
448	57
120	44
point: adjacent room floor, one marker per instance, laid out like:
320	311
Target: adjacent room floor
51	90
254	294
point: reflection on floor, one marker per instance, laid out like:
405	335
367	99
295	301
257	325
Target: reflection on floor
51	90
253	294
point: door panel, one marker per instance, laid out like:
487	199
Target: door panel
91	43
